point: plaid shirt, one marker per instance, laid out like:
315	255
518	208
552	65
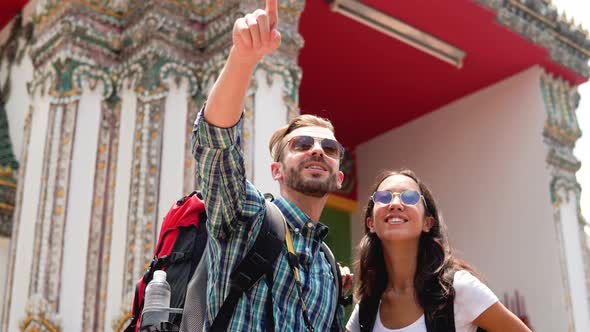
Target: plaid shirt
235	210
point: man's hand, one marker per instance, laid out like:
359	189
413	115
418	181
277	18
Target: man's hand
256	34
346	279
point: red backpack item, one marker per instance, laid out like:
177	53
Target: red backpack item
182	241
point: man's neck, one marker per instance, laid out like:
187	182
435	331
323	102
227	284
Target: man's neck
310	205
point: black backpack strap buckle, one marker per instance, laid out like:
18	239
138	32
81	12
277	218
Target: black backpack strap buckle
345	300
149	272
183	199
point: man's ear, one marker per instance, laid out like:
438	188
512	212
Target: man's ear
276	171
340	179
428	223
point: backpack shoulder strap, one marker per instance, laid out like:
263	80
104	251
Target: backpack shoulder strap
445	320
335	270
257	263
368	309
340	299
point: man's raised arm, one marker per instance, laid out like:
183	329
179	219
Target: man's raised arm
254	36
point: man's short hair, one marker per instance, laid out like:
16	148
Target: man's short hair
277	141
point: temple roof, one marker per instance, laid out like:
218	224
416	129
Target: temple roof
540	22
368	82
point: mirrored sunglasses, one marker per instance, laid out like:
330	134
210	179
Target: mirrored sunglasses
407	197
303	143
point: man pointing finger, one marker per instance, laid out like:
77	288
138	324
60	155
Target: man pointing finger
306	164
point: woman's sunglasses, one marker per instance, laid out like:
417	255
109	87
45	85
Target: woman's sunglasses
407	197
303	143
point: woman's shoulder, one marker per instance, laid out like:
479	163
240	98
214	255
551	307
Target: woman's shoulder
466	284
472	296
464	278
353	324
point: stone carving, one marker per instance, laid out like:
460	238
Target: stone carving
99	250
538	20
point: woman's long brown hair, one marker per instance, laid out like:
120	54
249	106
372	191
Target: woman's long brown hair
436	265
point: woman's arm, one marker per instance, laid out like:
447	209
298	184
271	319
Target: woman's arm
498	318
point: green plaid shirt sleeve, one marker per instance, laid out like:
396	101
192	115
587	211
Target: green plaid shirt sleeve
221	174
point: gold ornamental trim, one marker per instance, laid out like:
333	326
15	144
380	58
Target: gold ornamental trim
7	184
342	203
47	324
122	321
8	207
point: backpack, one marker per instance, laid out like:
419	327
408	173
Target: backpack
179	249
180	252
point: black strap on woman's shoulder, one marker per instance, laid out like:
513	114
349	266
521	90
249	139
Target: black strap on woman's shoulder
443	322
368	308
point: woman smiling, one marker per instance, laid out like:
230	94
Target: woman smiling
409	280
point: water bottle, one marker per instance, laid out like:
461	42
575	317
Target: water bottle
157	301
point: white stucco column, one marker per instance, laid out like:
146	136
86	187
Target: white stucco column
269	113
173	146
17	106
77	222
560	133
115	294
18	285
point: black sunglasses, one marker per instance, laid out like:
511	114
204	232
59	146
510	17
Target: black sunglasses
302	143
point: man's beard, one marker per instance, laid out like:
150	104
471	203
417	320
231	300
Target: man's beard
311	187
